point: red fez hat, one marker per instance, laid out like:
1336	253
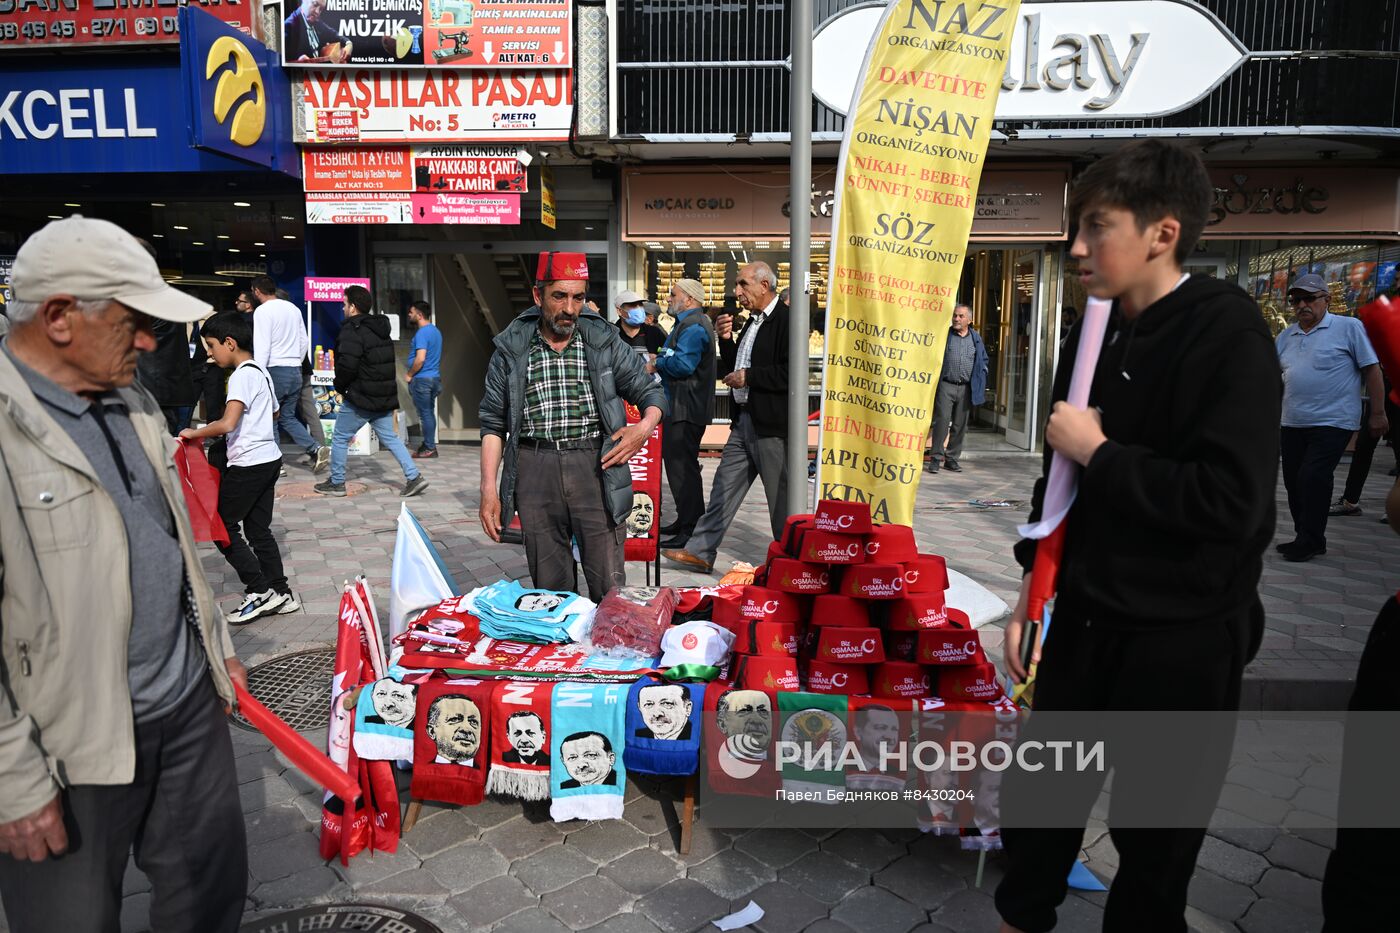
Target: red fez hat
950	646
840	645
926	573
839	610
891	544
918	611
763	604
770	674
792	532
873	581
851	518
554	266
829	547
969	682
772	639
792	576
848	679
901	646
900	680
958	619
775	549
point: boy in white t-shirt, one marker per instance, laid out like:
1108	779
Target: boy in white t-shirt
254	463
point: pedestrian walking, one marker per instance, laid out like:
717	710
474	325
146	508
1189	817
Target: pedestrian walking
1158	604
424	376
555	432
249	422
365	379
637	332
1362	455
1326	360
686	365
755	369
118	667
962	386
280	345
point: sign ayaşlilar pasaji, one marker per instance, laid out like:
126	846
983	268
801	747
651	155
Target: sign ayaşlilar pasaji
909	169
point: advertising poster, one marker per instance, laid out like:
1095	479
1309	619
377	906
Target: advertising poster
429	169
385	107
7	264
644	521
428	33
548	215
910	166
395	207
68	24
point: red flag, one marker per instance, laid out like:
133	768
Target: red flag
300	752
200	483
345	827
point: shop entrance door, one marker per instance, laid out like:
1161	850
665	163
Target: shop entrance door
1003	288
1022	286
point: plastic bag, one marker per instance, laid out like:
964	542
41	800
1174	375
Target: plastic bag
631	620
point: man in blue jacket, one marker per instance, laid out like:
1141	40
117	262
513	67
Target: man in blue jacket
962	386
687	368
553	425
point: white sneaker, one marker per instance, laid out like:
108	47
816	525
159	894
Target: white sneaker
289	604
255	605
323	460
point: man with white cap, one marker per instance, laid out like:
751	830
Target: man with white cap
637	332
687	367
118	667
1326	359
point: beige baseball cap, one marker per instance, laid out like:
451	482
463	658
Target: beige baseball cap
94	259
627	297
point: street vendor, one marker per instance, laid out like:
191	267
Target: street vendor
554	432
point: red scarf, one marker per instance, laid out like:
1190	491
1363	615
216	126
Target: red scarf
737	760
451	748
520	711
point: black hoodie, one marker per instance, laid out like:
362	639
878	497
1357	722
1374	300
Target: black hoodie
1175	510
364	364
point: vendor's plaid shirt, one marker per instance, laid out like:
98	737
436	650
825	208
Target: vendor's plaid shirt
559	403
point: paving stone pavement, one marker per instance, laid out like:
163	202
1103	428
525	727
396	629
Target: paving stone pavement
504	866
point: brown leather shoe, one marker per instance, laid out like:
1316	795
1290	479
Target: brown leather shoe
687	560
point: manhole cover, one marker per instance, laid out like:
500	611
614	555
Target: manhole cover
297	687
362	918
308	490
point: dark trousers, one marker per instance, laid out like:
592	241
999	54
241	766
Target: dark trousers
1356	893
177	418
680	452
746	457
1196	666
951	408
245	497
559	497
214	391
1365	450
180	814
1310	458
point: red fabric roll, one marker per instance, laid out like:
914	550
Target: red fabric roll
793	576
873	581
847	679
834	609
918	611
852	518
891	544
927	573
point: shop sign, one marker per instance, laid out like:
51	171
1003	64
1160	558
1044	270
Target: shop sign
437	107
441	169
239	100
7	265
428	33
33	24
1253	200
412	208
116	117
323	288
549	216
1111	60
746	203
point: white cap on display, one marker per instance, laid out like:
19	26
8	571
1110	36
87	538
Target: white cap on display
92	260
696	643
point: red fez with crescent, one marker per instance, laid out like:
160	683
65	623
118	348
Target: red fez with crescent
927	573
969	682
891	544
555	266
839	610
950	646
849	679
791	576
900	680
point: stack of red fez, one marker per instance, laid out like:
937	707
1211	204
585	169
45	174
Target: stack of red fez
846	606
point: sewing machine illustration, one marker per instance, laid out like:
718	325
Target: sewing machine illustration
459	46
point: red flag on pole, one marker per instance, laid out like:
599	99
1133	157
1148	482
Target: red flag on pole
345	826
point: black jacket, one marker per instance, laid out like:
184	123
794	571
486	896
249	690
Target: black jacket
768	372
1175	510
364	363
165	371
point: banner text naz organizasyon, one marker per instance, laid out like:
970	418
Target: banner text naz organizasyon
910	164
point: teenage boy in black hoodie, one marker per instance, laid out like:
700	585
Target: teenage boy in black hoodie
1157	605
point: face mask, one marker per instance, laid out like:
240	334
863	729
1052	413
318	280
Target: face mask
636	316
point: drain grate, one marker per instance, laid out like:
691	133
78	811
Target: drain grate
370	918
297	687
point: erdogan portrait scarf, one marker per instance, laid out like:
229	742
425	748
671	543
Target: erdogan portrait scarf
739	728
663	727
384	721
520	737
814	724
587	776
451	728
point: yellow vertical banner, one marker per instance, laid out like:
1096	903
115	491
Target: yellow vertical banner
911	160
547	214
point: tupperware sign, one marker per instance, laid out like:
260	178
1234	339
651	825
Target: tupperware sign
428	106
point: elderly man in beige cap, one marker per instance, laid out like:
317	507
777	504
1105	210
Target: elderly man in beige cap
686	364
118	667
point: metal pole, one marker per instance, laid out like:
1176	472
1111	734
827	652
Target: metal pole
800	123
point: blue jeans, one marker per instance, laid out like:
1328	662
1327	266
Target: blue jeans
425	392
286	382
351	419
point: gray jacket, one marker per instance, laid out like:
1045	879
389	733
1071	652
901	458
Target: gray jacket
616	372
